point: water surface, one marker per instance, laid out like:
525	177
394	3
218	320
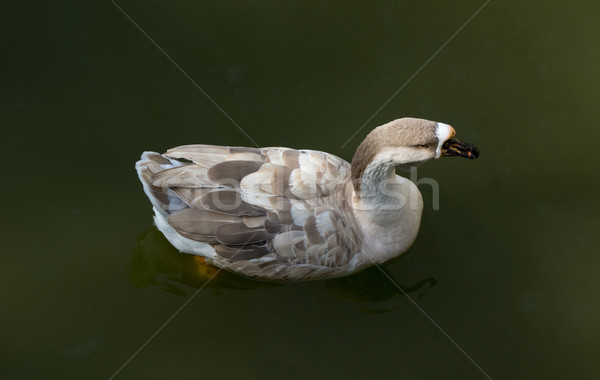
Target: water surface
507	266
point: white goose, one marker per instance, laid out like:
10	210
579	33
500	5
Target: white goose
285	214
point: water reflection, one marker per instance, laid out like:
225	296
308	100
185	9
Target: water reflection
370	285
156	262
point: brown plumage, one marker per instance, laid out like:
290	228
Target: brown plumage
248	209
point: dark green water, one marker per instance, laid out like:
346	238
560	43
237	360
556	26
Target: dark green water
508	267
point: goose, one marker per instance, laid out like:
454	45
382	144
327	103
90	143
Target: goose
281	214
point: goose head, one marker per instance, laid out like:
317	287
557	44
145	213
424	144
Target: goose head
406	143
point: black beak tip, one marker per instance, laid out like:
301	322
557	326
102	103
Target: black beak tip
454	147
473	153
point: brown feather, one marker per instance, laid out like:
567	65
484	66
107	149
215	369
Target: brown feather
312	233
239	234
290	158
197	149
190	176
230	173
283	209
227	201
189	195
157	158
203	238
147	169
243	149
274	227
278	261
241	253
200	222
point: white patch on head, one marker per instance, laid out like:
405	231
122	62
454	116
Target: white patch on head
443	132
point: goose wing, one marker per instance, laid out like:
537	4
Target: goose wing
263	211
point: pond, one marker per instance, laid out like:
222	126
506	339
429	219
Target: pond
501	282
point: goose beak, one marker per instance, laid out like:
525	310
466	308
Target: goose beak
455	147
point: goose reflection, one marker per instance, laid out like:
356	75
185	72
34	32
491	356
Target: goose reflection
156	262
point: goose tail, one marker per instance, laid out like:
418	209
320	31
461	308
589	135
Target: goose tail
163	200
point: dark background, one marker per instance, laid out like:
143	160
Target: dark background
513	250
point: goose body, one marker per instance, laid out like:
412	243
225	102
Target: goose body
285	214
